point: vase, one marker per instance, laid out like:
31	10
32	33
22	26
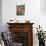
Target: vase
41	43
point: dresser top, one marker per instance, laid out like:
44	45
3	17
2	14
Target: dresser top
19	23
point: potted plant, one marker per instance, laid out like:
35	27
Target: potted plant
41	36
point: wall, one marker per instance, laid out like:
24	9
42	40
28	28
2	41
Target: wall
0	15
33	12
9	10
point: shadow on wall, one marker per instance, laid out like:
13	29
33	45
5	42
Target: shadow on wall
0	14
43	6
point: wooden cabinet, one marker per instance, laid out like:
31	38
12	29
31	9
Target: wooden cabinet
22	33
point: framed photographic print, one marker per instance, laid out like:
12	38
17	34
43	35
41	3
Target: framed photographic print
20	10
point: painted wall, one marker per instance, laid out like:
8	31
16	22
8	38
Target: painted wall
32	10
43	14
33	13
0	15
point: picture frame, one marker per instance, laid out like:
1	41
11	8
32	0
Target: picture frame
20	10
